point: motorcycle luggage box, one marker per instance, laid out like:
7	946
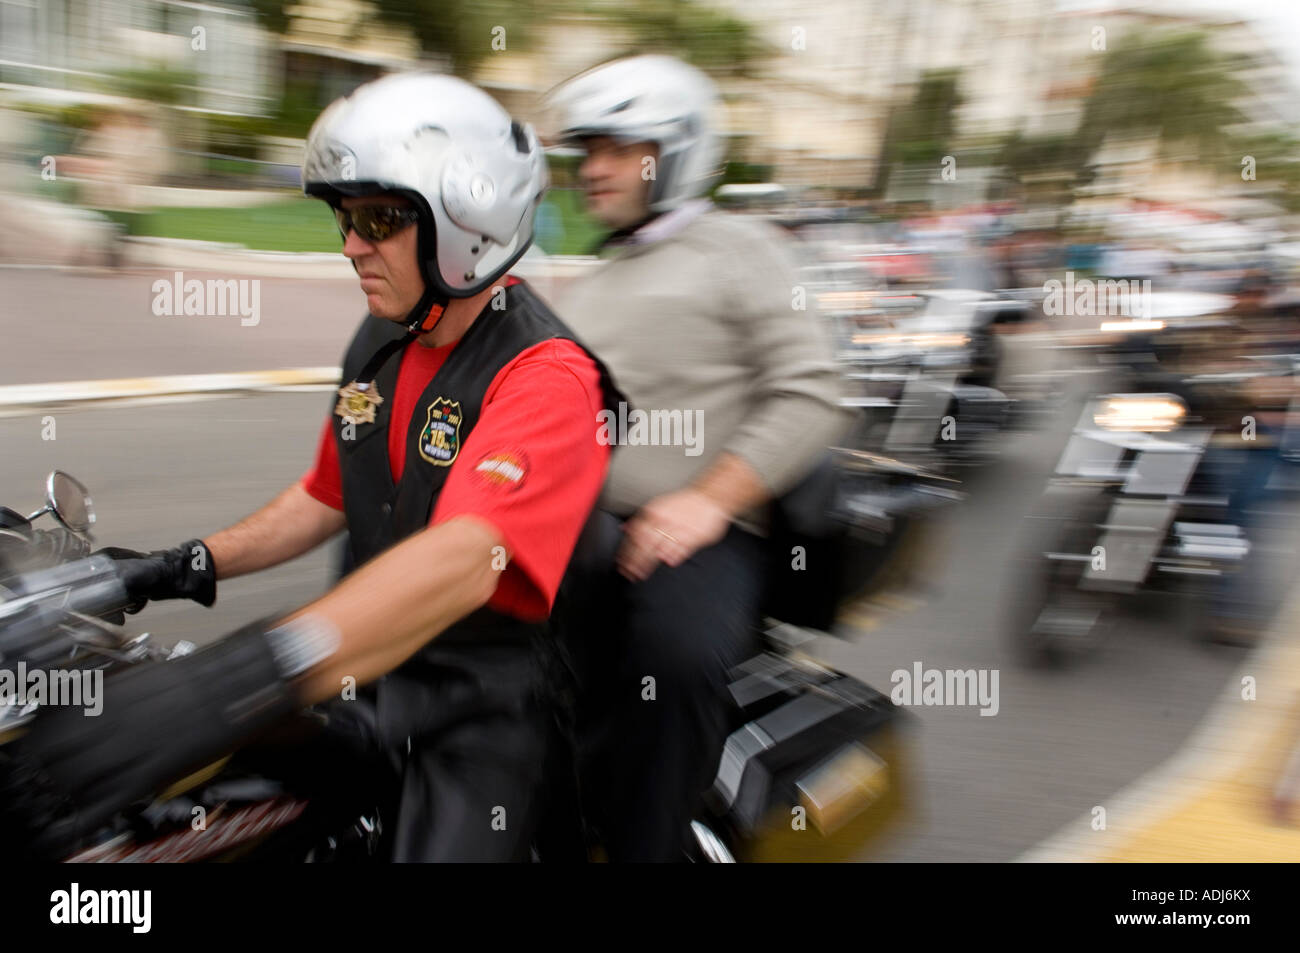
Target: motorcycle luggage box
769	680
813	777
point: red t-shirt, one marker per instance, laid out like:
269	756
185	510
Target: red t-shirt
531	467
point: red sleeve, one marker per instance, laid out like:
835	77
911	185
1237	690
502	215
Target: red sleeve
532	468
324	481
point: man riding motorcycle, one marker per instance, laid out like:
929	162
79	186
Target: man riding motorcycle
695	312
462	458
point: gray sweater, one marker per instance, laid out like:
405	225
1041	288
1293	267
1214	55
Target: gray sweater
702	332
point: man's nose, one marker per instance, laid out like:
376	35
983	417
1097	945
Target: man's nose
593	169
354	246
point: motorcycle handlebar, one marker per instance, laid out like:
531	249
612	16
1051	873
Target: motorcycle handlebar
92	586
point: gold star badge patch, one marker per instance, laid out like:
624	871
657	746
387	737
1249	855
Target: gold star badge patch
358	402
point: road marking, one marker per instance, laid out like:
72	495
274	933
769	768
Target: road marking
1211	800
21	399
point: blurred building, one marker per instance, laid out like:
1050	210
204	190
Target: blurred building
816	107
332	46
75	50
817	111
1028	68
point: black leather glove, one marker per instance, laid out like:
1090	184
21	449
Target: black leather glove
159	722
185	572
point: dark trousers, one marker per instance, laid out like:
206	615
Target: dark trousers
653	708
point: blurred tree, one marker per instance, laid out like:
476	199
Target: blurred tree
1057	157
153	83
922	131
459	30
1173	86
737	172
1276	165
158	89
274	14
711	39
293	115
464	31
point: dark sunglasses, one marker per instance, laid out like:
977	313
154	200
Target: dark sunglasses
375	223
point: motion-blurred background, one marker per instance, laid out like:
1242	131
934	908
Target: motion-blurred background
1094	109
1008	211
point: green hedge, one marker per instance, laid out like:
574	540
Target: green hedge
302	224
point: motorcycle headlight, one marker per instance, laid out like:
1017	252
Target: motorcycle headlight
845	300
1156	413
923	340
1132	325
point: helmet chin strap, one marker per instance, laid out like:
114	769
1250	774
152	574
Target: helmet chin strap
425	316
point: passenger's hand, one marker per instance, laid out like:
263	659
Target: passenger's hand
670	529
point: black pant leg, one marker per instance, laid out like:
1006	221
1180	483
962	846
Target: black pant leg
474	726
473	794
648	760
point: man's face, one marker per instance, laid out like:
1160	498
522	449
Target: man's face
389	269
617	179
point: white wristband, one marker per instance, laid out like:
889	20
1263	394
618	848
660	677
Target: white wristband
302	643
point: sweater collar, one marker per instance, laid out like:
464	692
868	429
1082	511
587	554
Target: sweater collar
662	226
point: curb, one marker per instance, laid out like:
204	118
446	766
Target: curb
182	254
20	399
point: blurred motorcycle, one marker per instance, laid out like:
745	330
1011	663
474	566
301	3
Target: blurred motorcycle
808	740
56	604
923	380
1133	506
62	609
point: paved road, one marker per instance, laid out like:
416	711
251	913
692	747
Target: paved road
989	787
1062	742
61	326
165	473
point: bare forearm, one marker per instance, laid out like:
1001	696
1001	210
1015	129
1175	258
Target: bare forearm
290	525
385	611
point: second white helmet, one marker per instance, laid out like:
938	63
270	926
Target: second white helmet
648	98
475	176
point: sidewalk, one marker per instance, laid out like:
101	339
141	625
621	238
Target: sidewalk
65	236
545	272
180	254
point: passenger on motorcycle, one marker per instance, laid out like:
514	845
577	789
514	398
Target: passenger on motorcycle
461	456
732	397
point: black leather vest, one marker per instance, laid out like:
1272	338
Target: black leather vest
380	514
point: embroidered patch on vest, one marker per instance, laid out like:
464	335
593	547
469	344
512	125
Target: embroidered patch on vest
440	438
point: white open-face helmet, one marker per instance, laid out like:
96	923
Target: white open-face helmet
474	175
648	99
